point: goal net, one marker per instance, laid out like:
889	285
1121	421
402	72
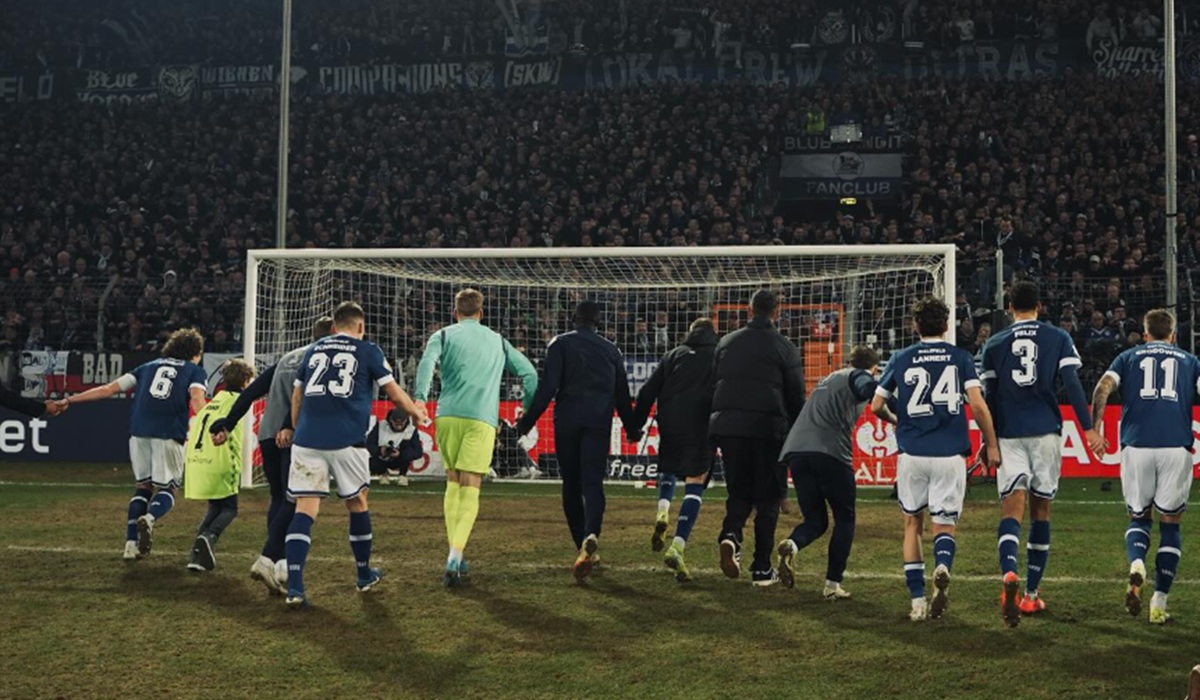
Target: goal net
832	298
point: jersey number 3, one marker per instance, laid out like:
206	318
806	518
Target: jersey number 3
342	385
1026	351
946	392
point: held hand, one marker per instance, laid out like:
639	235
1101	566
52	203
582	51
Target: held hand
993	456
283	439
1096	442
420	415
219	438
56	408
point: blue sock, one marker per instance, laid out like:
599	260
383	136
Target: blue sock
161	504
137	508
1166	562
299	539
914	577
1009	536
1137	539
689	511
943	550
360	543
666	491
1037	551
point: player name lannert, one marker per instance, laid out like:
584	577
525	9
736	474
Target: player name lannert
940	357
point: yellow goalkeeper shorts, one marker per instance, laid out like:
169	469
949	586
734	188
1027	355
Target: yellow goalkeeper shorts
466	444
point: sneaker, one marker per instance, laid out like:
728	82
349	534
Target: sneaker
464	569
131	551
529	473
920	610
1010	608
281	575
400	480
202	558
1032	606
658	539
835	592
263	571
145	529
1194	684
585	561
674	561
372	580
787	563
764	577
731	558
941	581
452	576
1159	616
296	600
1133	594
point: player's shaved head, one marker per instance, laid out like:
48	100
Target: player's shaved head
1024	297
863	357
236	374
1160	324
587	313
468	303
932	317
184	344
764	303
348	315
322	327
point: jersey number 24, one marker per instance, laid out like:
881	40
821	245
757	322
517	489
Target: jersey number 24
946	392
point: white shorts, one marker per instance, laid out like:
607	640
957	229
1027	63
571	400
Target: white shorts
157	460
936	483
1156	476
311	469
1031	464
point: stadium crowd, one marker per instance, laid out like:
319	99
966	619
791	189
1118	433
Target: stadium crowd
118	225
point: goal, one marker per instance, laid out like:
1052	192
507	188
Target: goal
832	298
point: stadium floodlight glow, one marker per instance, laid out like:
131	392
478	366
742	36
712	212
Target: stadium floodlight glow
832	297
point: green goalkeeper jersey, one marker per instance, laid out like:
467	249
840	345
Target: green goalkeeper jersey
213	471
472	359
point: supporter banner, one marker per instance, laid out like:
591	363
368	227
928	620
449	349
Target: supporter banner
49	374
26	86
844	174
239	80
638	369
811	143
1112	60
392	79
129	85
523	40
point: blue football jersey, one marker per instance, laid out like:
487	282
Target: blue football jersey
1158	382
1024	360
339	378
161	397
929	381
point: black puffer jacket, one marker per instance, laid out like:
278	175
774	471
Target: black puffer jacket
682	386
759	383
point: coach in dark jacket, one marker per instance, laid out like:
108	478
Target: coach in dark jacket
682	387
30	407
759	391
585	377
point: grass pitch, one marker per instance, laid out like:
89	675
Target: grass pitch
79	623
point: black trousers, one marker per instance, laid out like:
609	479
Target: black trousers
821	480
379	466
276	465
756	481
582	453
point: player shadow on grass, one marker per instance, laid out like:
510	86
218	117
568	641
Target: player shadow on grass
377	649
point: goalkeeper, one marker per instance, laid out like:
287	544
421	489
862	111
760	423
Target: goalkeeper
472	359
214	472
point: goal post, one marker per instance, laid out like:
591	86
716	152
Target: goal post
831	298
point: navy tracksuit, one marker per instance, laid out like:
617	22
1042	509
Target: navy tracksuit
585	377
